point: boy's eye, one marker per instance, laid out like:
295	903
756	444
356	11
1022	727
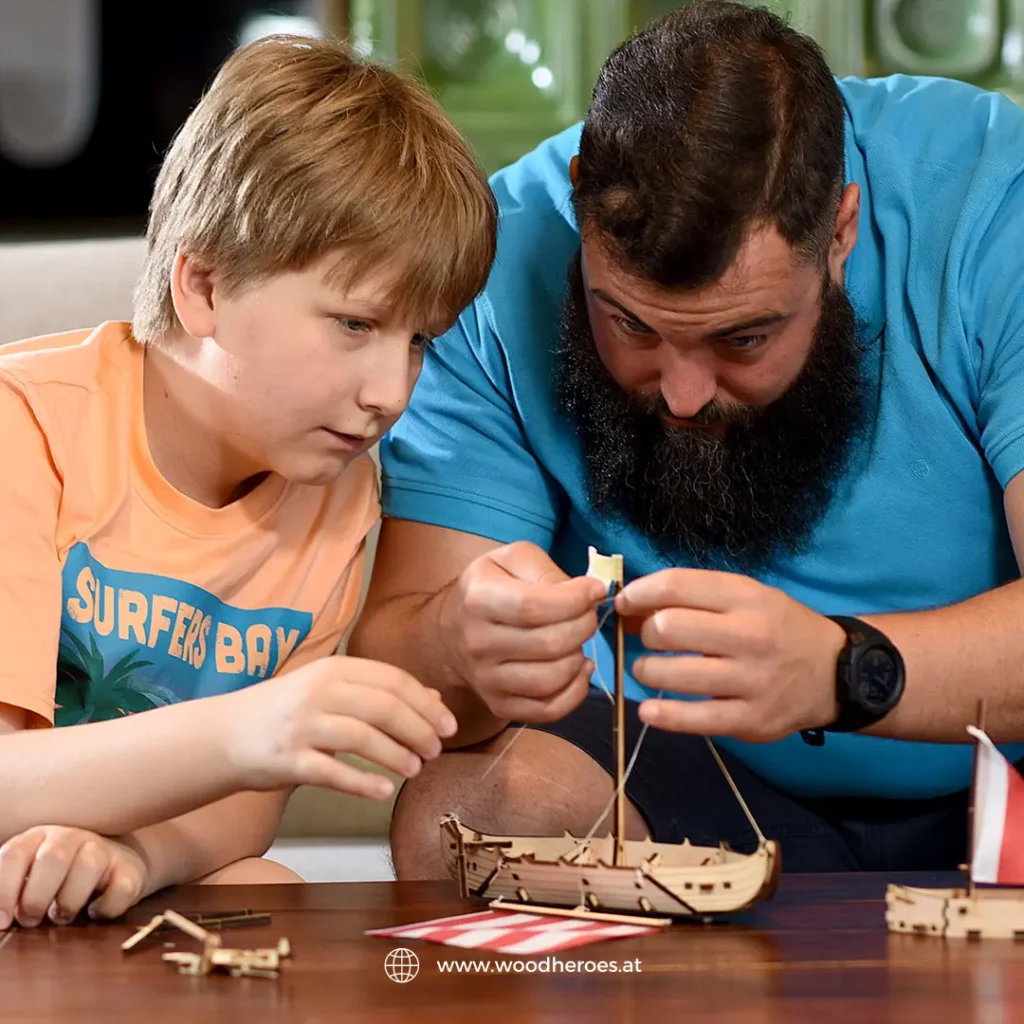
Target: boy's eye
354	324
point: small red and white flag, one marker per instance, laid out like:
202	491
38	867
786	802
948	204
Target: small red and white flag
998	835
503	931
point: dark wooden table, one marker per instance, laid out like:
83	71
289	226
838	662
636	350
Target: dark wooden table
818	952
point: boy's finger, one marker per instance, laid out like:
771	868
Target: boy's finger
396	718
375	675
319	769
85	877
350	735
121	892
16	856
49	869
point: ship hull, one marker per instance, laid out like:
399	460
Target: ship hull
655	878
953	913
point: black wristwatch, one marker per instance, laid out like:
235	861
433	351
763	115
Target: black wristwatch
869	680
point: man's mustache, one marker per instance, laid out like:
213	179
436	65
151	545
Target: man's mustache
713	412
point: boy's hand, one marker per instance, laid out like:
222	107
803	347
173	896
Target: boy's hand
53	871
287	730
515	625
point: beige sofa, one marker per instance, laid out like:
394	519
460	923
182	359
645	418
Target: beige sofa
57	286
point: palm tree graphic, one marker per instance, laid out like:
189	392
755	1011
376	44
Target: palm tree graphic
86	692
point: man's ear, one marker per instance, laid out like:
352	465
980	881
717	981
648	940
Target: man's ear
844	237
574	170
192	295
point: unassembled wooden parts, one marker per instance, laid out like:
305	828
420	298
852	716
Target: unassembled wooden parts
252	963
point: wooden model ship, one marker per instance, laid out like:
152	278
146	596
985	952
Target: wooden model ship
610	876
996	832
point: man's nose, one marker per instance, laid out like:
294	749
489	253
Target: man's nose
687	385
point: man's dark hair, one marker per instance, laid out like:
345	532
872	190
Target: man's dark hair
712	119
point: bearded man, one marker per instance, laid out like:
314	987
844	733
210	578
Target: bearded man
762	332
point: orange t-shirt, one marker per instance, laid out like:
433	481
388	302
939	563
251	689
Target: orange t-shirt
117	592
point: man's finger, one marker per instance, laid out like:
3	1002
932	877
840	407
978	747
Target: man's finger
700	717
527	562
689	629
541	681
693	675
507	644
523	709
705	589
500	598
16	856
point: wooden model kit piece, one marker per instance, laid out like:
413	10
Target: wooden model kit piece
996	858
612	876
252	963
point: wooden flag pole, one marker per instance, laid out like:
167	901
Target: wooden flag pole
969	866
619	850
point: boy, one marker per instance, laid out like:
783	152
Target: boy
185	499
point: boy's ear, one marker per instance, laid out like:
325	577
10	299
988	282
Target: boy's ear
192	295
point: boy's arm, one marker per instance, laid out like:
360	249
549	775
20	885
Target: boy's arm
198	843
115	777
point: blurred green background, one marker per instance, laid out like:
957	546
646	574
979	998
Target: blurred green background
512	72
92	91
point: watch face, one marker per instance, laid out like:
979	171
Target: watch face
877	679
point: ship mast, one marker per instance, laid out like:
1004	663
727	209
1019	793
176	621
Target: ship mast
619	733
609	569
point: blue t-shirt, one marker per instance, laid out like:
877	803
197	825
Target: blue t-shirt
917	522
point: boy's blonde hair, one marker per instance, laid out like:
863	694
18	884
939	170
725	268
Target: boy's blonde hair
300	149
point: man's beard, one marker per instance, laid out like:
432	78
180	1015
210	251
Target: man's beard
736	501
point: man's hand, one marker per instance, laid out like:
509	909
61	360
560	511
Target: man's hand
769	662
53	871
515	625
286	731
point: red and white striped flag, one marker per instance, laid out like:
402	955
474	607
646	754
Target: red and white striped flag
998	835
502	931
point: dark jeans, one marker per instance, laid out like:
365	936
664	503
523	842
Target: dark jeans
681	793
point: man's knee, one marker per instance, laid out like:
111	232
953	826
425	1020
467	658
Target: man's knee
541	785
251	871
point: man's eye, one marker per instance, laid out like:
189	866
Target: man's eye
632	326
747	343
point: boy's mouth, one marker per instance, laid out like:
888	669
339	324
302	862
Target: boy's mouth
350	442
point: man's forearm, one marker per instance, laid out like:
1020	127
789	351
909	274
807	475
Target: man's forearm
198	843
955	656
406	630
118	776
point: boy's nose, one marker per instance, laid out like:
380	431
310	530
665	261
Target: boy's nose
387	387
